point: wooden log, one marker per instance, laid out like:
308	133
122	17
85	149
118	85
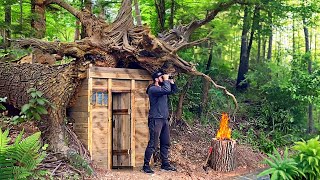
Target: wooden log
223	155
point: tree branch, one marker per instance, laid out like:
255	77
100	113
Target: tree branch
180	35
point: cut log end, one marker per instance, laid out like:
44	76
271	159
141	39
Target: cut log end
223	155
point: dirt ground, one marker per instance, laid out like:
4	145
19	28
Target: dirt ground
188	153
189	149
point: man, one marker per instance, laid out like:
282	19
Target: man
158	120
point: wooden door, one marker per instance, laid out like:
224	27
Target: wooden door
121	131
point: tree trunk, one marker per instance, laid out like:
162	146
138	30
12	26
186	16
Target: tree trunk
171	15
270	37
181	98
308	52
58	83
255	24
244	59
88	6
223	155
161	12
38	21
8	25
77	31
264	47
21	16
293	36
138	13
206	84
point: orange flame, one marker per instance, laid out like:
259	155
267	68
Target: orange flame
224	131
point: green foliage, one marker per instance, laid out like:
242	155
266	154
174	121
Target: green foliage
1	105
34	109
281	168
20	159
80	163
308	157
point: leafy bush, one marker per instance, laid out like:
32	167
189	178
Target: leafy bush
281	169
34	109
308	157
20	159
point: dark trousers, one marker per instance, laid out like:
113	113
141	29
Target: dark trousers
158	129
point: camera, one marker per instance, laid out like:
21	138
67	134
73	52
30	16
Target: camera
170	77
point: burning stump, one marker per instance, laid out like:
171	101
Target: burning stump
222	157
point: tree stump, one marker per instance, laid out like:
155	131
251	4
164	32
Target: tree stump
222	157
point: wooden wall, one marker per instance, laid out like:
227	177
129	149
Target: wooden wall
79	112
93	114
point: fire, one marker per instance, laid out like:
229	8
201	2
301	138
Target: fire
224	132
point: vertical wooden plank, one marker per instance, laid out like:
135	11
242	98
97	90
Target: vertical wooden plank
133	123
109	124
89	115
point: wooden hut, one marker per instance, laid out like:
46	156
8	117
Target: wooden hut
111	116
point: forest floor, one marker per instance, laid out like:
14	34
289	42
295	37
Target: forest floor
189	149
188	152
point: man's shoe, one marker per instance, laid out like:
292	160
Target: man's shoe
168	167
147	169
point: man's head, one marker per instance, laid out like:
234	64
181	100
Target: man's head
157	76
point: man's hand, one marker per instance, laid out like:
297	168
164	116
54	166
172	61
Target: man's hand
165	77
171	81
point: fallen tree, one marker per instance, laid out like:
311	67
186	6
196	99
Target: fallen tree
119	44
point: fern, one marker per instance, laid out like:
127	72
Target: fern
308	157
281	168
20	159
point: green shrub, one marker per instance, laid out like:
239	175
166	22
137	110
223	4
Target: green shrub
281	169
34	109
20	159
308	157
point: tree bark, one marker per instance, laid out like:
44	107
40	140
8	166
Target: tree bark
171	14
244	59
182	97
293	36
138	13
8	25
21	16
269	56
161	12
38	22
308	52
223	155
58	83
77	31
88	6
206	84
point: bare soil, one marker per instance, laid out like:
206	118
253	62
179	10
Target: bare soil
188	152
189	149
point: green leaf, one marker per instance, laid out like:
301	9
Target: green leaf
40	101
33	94
25	108
41	110
266	172
36	116
39	93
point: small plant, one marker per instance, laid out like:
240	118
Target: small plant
34	109
20	159
308	157
281	169
2	108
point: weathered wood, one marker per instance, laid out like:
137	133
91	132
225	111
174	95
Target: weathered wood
133	124
222	157
119	73
109	160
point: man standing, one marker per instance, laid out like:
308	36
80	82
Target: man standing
158	120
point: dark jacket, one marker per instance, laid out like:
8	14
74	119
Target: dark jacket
158	97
